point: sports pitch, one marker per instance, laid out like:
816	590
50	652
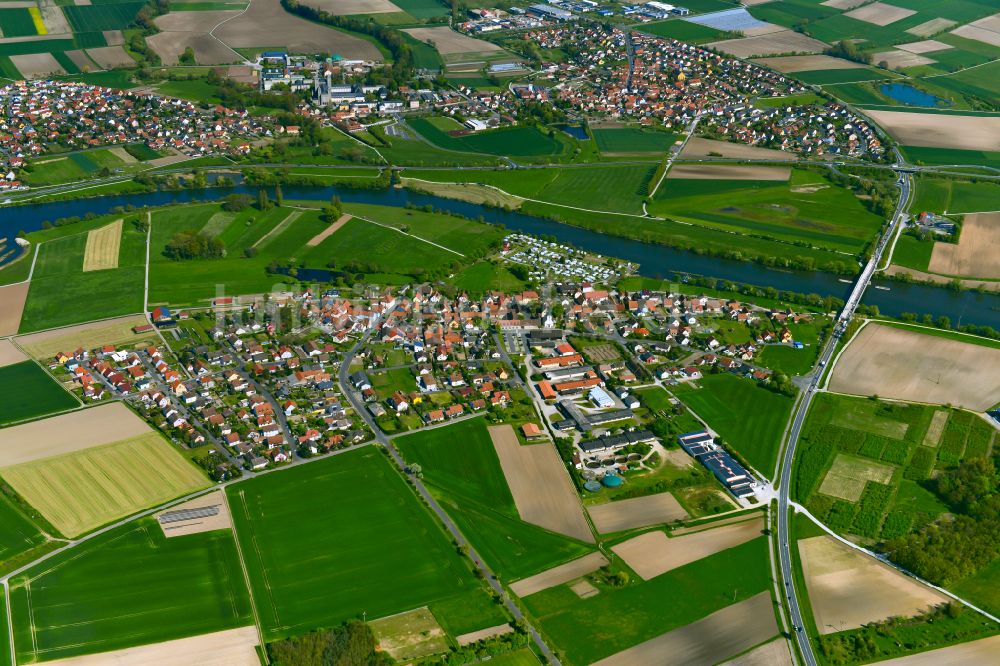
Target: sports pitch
327	541
130	586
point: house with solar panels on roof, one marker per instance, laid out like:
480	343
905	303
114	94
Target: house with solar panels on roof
701	446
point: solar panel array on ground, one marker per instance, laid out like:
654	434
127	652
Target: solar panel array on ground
730	20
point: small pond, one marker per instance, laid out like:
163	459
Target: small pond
907	94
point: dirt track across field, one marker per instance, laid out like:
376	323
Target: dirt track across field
232	647
983	651
700	147
808	63
450	42
907	365
728	172
9	354
977	253
653	553
329	231
266	22
774	653
71	432
636	512
558	575
538	480
102	248
172	527
12	299
848	589
879	13
721	635
774	43
931	130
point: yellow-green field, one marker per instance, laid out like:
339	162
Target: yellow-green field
80	491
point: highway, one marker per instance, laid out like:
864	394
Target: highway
799	416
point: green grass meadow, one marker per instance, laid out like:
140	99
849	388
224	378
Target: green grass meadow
130	586
19	536
344	536
750	419
27	391
461	466
942	195
807	209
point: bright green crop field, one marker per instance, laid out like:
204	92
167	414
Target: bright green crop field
18	534
461	466
633	140
27	391
128	587
331	540
749	418
521	141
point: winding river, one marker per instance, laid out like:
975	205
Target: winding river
655	261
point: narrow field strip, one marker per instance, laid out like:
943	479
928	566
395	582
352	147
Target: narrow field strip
103	246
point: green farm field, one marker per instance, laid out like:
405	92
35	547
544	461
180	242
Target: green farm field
127	587
485	276
823	77
633	140
750	419
808	209
27	392
53	170
694	237
618	618
517	141
102	16
912	252
17	23
372	548
61	293
692	33
930	156
461	467
20	538
940	195
618	189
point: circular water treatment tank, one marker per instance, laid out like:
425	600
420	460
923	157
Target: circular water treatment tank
588	474
593	464
620	459
592	486
634	456
607	462
612	480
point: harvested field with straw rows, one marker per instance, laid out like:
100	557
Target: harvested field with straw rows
79	491
102	247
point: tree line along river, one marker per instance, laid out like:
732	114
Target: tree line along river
655	261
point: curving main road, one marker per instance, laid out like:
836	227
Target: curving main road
799	416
